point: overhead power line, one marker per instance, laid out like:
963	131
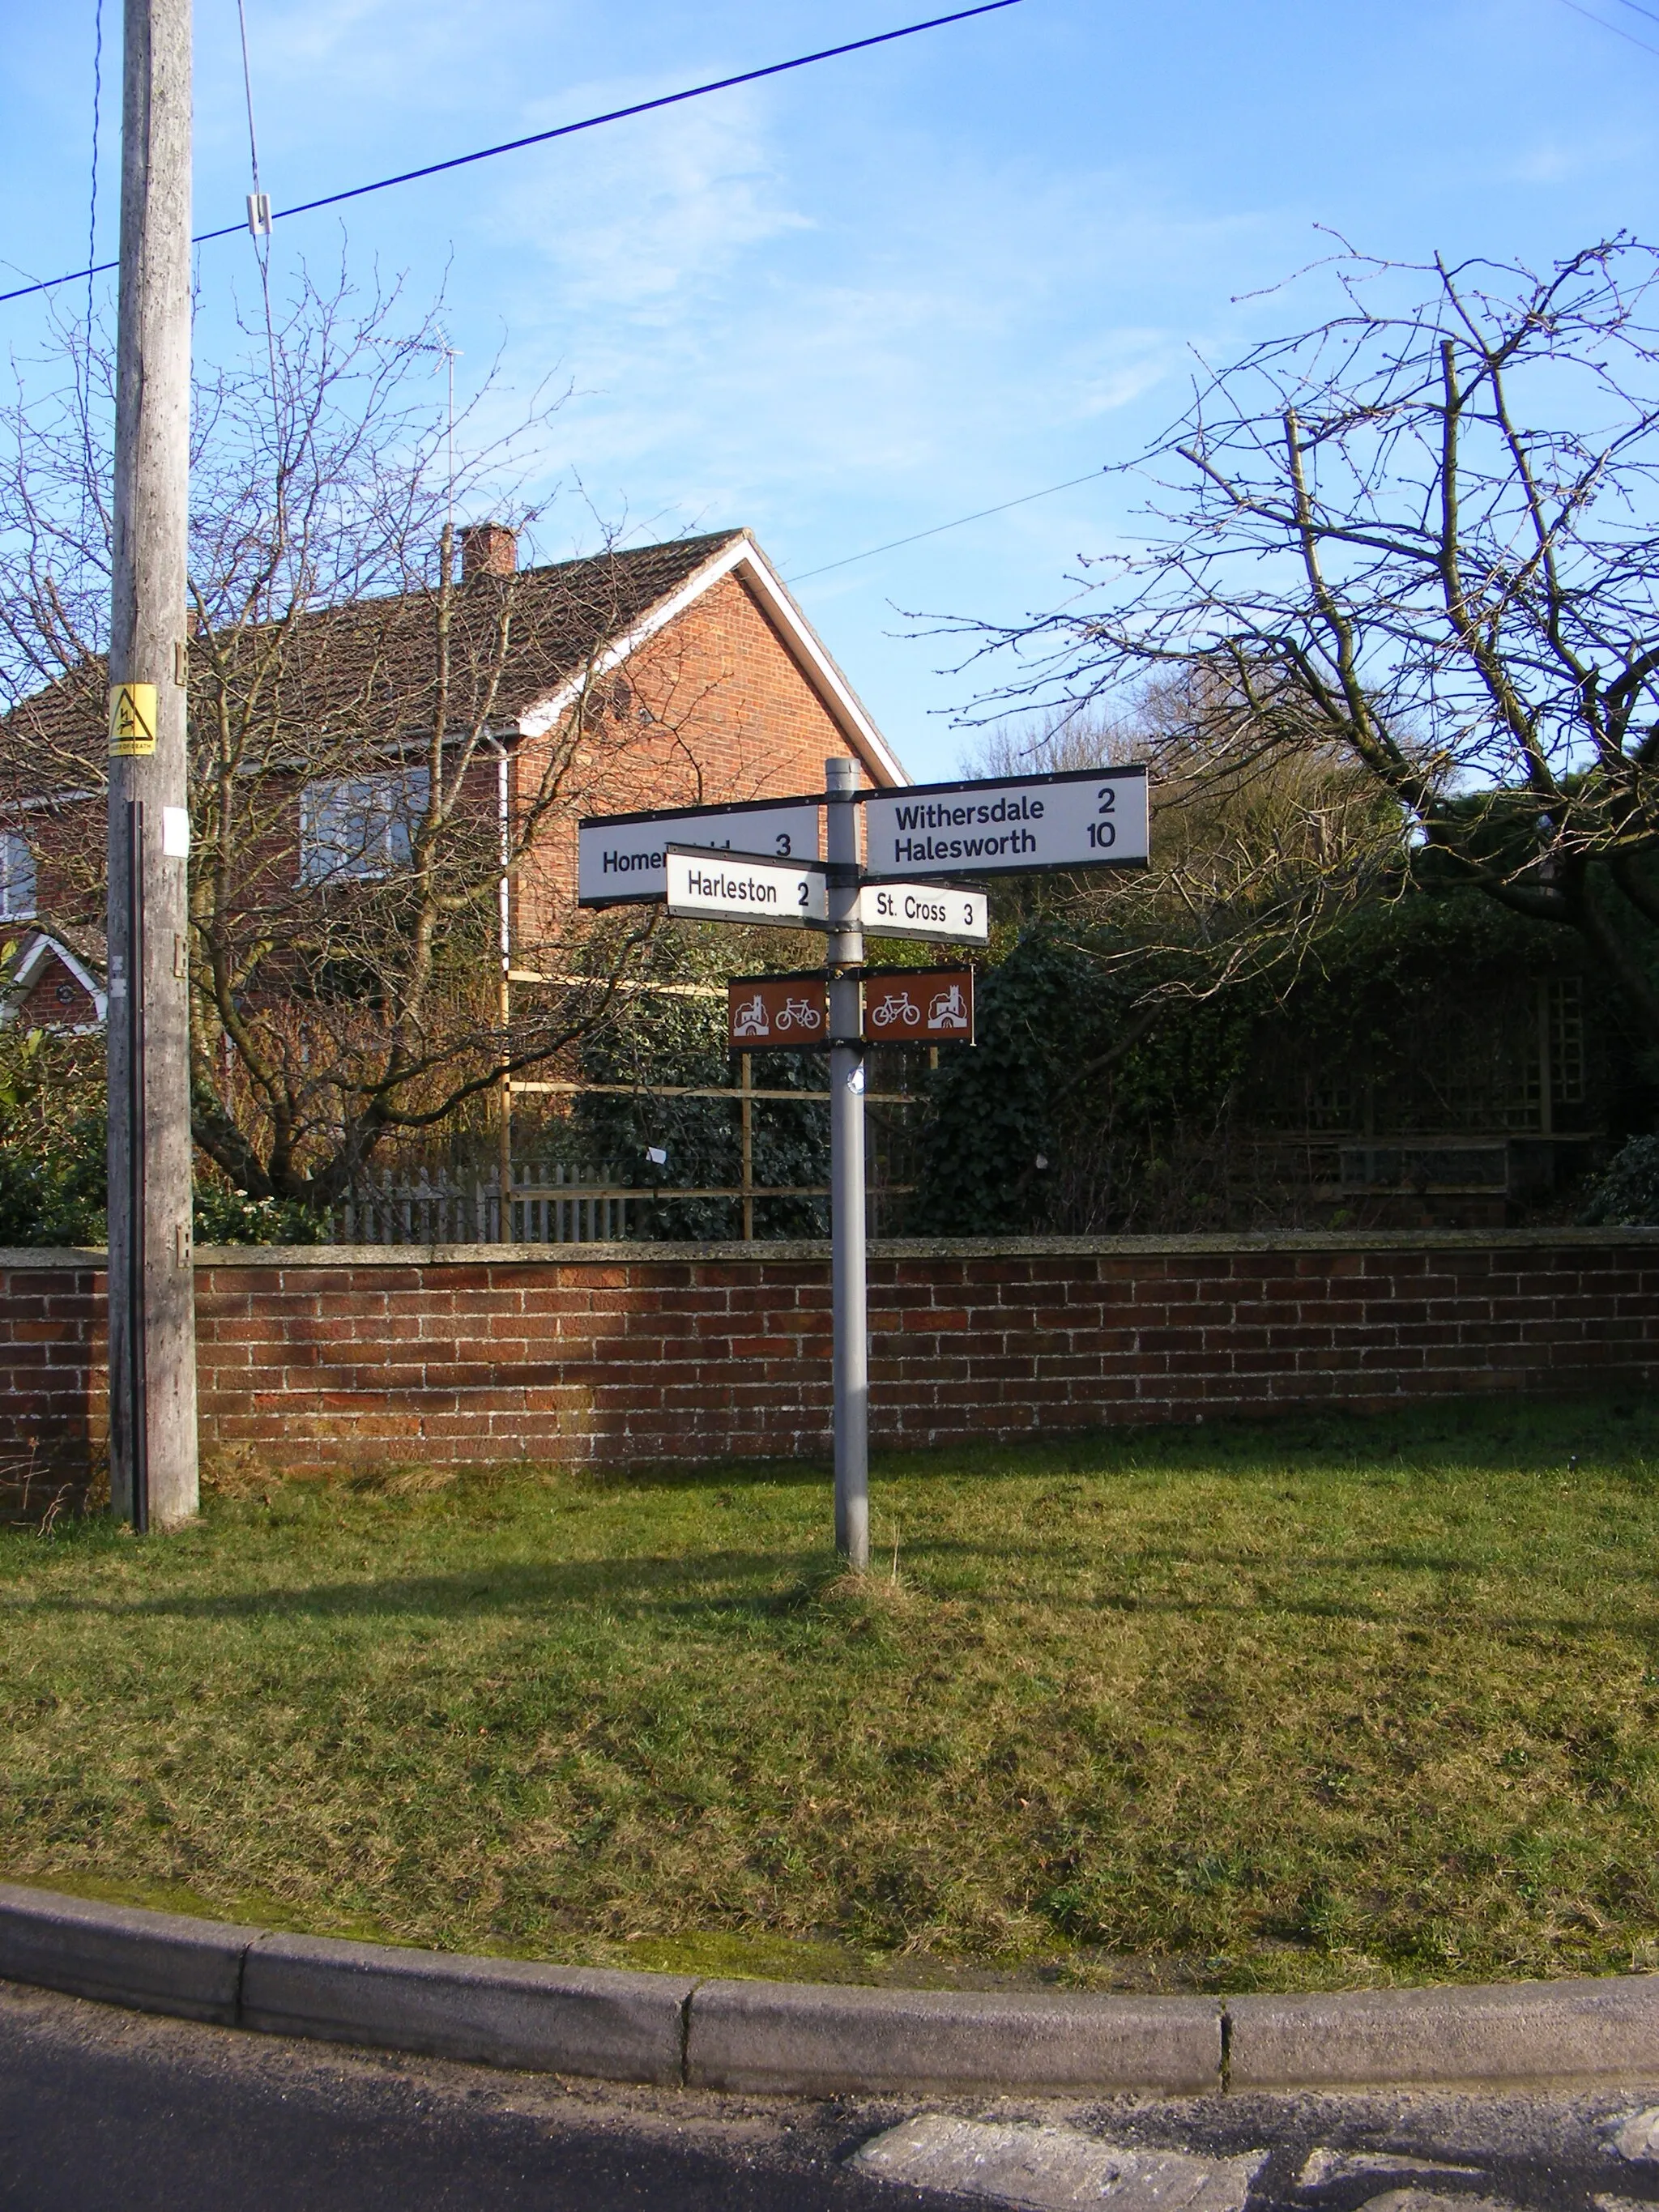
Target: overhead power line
563	131
1618	29
917	536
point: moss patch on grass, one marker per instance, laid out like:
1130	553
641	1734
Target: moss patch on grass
1334	1701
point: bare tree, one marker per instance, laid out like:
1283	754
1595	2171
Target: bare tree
1250	869
365	801
1418	544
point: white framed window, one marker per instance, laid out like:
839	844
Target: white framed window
355	828
16	877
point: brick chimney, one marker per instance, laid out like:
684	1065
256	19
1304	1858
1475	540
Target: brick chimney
489	549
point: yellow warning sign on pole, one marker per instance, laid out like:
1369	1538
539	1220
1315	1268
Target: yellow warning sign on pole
131	721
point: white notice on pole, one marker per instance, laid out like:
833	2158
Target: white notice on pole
623	857
937	912
1008	825
704	886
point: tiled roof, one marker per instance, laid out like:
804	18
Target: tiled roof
371	663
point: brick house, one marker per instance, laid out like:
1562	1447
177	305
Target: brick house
48	985
698	676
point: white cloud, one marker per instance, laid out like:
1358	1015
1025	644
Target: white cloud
643	218
985	322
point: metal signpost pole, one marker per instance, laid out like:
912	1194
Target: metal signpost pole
851	1343
153	1479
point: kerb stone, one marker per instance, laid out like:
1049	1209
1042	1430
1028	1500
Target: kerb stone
497	2012
815	2039
121	1954
1528	2032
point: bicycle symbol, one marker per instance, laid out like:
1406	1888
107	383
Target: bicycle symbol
897	1007
799	1013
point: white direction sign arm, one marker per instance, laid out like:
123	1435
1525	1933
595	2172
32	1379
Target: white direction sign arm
705	887
941	913
1008	825
622	858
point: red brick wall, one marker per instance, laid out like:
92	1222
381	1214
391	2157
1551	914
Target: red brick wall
53	1373
316	1360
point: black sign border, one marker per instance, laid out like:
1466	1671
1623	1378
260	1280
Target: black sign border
1005	782
923	874
678	814
909	937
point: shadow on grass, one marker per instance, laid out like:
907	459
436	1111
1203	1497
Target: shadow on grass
1451	1436
1519	1560
708	1474
1448	1437
757	1587
780	1583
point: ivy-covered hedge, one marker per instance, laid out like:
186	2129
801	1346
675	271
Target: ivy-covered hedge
1626	1195
54	1194
1052	1121
1104	1095
53	1158
57	1195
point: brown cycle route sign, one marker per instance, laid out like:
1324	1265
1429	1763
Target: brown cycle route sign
778	1013
918	1005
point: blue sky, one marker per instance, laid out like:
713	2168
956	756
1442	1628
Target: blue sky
858	302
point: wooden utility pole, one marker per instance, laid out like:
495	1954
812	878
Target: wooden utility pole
153	1481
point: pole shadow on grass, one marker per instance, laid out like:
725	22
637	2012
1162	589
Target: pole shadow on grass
790	1579
944	1552
758	1586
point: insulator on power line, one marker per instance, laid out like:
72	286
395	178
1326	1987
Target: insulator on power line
258	214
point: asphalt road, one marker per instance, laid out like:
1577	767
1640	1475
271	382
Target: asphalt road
99	2108
106	2108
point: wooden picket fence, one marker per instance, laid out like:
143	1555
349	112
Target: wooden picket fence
550	1204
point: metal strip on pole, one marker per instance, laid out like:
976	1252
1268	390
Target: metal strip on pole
135	1437
152	1473
851	1360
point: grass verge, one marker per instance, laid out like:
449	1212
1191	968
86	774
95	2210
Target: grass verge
1331	1702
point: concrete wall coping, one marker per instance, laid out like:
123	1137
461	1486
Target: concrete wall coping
761	1252
803	2038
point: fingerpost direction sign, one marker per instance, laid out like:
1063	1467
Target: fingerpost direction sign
1008	825
940	913
718	886
778	1014
759	863
622	859
918	1005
